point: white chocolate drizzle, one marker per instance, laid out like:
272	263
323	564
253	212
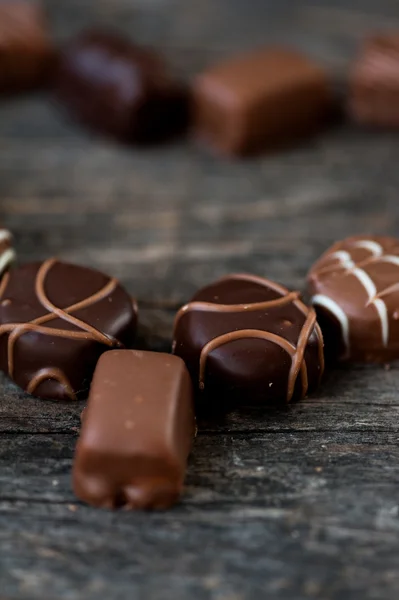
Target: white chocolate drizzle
336	310
6	258
5	236
7	254
374	298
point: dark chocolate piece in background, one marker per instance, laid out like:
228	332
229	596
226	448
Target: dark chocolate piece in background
374	82
247	340
120	90
7	254
27	56
56	319
355	290
259	101
137	431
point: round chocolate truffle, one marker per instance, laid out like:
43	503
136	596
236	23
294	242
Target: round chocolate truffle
248	340
355	290
7	254
56	319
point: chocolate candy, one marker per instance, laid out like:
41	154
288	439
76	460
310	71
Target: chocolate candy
247	339
355	289
374	82
7	254
26	54
137	431
56	319
260	100
120	90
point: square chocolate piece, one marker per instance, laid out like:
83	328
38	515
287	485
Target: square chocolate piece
260	100
26	54
374	82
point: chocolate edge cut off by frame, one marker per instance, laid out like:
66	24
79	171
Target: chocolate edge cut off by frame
354	287
56	319
374	82
7	253
28	57
137	432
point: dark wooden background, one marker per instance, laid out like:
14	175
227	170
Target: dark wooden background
300	504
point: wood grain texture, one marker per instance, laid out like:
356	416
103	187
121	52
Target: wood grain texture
295	504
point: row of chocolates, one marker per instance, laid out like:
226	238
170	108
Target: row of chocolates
56	319
256	101
241	340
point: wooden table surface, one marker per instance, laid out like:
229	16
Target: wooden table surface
298	504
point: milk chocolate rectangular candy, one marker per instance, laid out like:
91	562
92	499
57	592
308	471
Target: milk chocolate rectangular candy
137	431
26	54
260	100
374	82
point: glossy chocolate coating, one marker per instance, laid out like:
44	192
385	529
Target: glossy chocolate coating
26	53
137	431
7	254
374	82
355	290
246	339
120	90
260	100
56	319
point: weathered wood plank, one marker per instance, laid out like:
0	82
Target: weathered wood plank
292	516
350	400
294	504
272	217
240	469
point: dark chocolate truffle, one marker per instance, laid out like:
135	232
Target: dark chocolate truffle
137	431
56	319
374	82
246	339
26	54
120	90
7	254
355	290
260	100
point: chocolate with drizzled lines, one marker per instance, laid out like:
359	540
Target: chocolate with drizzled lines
56	319
355	290
246	339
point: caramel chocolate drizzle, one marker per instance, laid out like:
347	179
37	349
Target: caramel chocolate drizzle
56	375
297	354
86	331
